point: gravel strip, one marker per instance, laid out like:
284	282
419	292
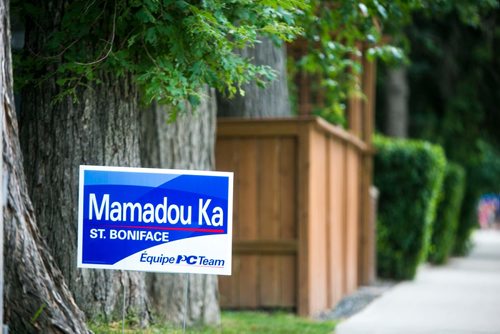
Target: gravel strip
357	301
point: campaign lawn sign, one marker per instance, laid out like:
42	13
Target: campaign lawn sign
157	220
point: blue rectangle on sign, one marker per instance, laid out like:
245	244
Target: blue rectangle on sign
155	220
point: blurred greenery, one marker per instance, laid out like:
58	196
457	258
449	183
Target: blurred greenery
409	175
454	80
448	214
483	176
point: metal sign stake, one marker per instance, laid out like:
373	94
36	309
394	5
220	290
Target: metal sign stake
186	283
123	306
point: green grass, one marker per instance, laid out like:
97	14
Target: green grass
234	323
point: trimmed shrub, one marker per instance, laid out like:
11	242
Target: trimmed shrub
409	175
445	225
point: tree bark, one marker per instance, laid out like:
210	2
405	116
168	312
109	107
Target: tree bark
188	143
271	101
37	298
100	128
396	96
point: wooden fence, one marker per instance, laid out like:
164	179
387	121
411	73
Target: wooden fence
301	213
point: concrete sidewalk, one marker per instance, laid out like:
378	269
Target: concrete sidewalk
461	297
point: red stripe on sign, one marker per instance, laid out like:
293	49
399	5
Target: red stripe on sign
191	229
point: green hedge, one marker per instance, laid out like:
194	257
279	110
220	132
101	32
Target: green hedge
409	175
483	176
448	214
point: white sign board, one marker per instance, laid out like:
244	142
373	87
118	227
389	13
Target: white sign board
155	220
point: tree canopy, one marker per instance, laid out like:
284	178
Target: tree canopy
171	47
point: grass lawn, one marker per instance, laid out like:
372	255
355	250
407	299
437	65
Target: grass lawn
236	323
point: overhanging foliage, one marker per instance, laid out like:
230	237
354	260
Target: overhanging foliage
171	47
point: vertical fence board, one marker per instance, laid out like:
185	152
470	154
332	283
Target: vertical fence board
248	281
304	203
352	219
268	218
288	284
317	224
336	212
345	217
268	189
269	278
245	173
288	219
288	188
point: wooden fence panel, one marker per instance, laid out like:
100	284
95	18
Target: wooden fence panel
297	202
353	202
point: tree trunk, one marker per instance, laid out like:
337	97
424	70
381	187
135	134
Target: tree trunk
271	101
101	128
37	298
396	96
188	143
